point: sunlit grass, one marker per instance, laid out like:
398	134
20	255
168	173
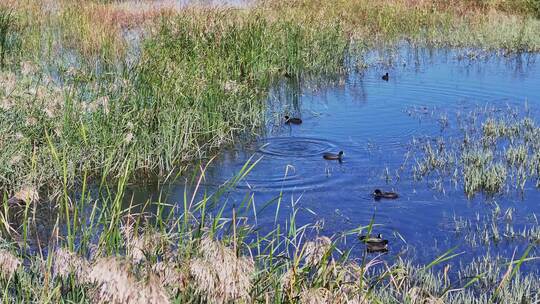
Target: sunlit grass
495	154
461	23
95	94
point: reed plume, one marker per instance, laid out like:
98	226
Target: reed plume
114	282
9	264
220	275
316	250
66	263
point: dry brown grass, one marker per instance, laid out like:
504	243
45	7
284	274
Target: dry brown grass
93	27
220	275
494	24
9	263
66	263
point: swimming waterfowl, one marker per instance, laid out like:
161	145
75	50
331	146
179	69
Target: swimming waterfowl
375	244
333	156
293	120
378	194
385	77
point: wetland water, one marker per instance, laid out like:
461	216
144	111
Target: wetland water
375	122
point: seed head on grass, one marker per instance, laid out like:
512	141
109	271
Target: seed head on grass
220	275
15	159
153	292
315	296
27	194
9	263
139	245
146	244
288	280
171	276
101	103
66	263
114	282
128	138
28	68
316	250
8	81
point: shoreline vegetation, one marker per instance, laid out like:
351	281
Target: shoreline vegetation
96	94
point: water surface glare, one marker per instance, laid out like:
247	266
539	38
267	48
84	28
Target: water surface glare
374	122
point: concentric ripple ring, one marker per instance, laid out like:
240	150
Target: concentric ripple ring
295	147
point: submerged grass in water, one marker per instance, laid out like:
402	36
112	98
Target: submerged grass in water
493	155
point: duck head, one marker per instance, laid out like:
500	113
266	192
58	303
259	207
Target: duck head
377	192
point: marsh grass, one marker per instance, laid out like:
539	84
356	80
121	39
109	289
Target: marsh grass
212	75
193	251
198	84
77	113
195	79
492	25
7	33
496	152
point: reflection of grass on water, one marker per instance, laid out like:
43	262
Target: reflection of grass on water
78	102
193	252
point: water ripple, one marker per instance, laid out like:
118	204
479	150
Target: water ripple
295	147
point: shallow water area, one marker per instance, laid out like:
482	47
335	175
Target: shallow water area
375	123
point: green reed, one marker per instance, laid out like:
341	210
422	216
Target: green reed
213	75
198	85
6	28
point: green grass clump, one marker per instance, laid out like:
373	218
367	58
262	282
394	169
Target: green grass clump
204	75
517	156
489	178
495	153
434	159
7	33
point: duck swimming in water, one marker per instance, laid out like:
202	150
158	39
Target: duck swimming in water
333	156
385	77
378	194
292	120
375	244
